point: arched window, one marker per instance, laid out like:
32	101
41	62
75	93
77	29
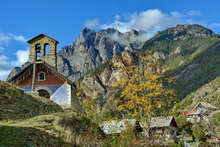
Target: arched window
38	51
43	93
41	76
46	49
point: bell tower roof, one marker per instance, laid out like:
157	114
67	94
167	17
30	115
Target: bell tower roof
40	36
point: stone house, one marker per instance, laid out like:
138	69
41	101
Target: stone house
117	126
199	112
163	127
40	75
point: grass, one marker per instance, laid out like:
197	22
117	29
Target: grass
25	120
14	104
27	136
207	93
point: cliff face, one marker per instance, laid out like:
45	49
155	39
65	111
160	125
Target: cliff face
91	49
98	84
191	52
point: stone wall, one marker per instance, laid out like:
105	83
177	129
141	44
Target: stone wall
51	58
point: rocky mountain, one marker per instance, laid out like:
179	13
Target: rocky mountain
91	49
190	52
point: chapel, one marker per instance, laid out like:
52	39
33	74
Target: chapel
40	74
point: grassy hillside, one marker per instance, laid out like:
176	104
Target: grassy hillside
14	104
192	54
25	120
36	121
207	93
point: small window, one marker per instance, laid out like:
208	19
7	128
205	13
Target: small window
41	76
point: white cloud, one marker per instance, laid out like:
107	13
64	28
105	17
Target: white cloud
6	38
149	21
18	38
93	23
194	13
22	56
4	74
215	25
117	17
5	67
6	63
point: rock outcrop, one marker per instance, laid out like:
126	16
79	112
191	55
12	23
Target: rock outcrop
91	49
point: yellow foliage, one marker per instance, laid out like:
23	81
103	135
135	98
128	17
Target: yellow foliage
144	89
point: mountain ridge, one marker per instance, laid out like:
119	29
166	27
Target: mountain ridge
95	55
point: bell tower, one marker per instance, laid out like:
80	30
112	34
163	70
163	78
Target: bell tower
43	48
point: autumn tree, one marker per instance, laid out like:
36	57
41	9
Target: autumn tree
144	91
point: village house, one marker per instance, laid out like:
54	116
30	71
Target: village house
199	112
117	126
40	75
163	127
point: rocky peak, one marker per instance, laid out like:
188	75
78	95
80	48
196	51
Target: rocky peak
85	32
14	72
111	31
93	48
183	31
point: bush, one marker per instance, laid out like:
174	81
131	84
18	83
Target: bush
183	125
79	131
199	132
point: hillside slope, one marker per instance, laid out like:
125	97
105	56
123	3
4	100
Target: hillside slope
27	120
190	52
24	119
14	104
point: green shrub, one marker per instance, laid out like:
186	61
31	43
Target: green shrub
77	130
199	132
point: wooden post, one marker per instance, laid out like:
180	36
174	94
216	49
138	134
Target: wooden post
34	77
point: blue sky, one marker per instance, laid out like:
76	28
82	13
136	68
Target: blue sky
64	19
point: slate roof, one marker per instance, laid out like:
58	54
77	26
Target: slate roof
116	126
159	122
204	104
198	110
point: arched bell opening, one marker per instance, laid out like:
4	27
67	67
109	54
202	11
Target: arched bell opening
46	49
38	51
